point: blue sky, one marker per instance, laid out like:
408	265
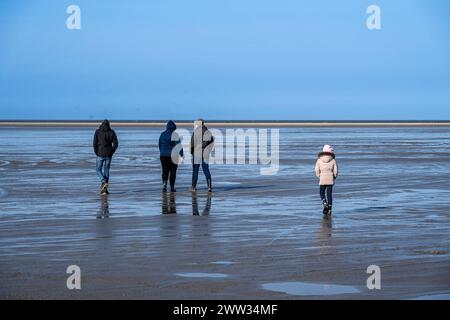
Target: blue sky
225	59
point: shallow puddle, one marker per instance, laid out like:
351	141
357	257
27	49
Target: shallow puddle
202	275
309	289
225	263
443	296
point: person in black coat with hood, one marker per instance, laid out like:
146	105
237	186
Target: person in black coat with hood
105	145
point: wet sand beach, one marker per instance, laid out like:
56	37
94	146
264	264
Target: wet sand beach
255	237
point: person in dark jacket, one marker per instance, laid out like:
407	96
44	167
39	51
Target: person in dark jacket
202	143
170	150
105	145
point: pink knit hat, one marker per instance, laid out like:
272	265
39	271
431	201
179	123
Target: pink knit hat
328	148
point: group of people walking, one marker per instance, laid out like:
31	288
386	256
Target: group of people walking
105	144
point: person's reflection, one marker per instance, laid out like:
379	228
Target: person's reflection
103	212
325	235
327	225
207	208
168	208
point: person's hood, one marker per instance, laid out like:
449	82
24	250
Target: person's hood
203	128
105	126
326	157
199	123
171	126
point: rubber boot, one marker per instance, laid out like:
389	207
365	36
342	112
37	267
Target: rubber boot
325	207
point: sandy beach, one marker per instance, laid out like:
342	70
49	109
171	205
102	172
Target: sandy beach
255	237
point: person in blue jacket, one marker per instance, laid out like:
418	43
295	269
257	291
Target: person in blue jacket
170	150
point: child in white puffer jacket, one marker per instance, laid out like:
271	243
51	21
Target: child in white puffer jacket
327	172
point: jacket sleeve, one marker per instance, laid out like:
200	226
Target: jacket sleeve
335	169
317	169
115	142
192	143
159	143
95	143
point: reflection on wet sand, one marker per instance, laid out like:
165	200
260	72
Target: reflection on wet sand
206	210
103	212
168	207
326	230
325	235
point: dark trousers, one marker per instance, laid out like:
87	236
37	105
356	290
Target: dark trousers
328	190
168	169
196	168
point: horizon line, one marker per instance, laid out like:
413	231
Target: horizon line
232	123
